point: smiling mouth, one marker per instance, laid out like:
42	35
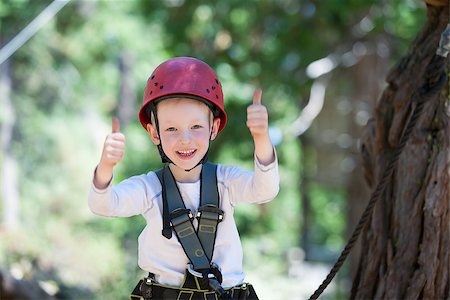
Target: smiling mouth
186	153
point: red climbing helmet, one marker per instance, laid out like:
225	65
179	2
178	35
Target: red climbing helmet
183	77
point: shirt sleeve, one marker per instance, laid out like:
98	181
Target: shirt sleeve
133	196
258	186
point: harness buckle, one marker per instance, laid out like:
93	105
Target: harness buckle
191	270
210	212
146	288
213	272
212	277
178	216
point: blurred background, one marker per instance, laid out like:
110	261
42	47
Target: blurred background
321	65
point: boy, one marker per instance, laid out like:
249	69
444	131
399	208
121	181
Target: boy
182	112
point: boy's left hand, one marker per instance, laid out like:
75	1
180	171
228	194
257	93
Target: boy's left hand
257	117
258	124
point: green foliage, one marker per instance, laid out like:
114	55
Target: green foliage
65	88
329	204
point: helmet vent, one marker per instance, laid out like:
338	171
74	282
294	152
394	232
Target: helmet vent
217	97
151	78
156	84
151	92
213	88
207	90
161	87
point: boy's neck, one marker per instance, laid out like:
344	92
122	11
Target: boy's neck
186	177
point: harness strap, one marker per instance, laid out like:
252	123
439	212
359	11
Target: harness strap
202	278
181	220
148	289
209	215
167	231
198	246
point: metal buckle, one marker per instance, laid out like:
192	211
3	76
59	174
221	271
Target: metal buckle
149	280
191	270
146	288
176	216
209	210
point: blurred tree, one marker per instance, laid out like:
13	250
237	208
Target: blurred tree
406	245
62	82
126	108
8	174
10	21
90	62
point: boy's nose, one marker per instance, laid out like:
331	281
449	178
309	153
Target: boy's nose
185	136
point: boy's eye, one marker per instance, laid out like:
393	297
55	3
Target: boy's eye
196	126
171	129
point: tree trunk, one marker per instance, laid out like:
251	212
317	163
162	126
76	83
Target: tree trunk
9	191
366	89
126	111
406	252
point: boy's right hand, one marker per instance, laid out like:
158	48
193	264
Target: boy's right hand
113	151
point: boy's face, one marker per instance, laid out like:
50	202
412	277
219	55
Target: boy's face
185	128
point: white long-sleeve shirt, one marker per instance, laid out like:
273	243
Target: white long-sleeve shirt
166	258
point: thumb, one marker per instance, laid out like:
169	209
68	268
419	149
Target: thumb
257	96
115	124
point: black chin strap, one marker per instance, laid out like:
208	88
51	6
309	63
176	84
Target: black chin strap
164	157
205	157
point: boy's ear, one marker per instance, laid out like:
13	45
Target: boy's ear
153	134
215	128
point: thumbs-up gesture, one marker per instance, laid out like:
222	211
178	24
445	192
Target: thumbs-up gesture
114	146
257	117
113	151
258	124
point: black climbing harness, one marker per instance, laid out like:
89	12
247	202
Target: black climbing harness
150	289
202	276
198	246
435	78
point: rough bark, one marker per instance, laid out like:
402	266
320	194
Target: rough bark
408	238
367	88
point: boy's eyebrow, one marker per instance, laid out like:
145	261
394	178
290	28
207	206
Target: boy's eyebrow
171	121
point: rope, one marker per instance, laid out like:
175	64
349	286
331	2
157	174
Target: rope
31	29
435	78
